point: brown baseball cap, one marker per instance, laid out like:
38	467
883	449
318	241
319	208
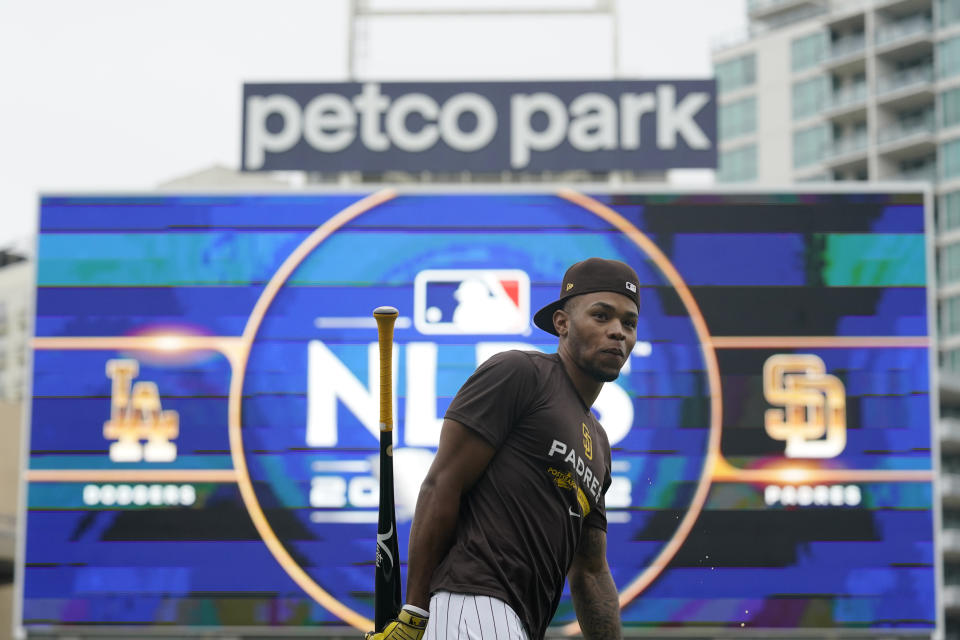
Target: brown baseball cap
589	276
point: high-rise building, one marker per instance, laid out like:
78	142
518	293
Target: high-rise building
836	90
843	90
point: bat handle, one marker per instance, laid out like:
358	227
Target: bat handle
387	594
385	317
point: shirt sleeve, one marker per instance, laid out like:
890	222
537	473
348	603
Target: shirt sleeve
496	396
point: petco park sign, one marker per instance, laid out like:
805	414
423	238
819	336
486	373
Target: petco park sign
480	126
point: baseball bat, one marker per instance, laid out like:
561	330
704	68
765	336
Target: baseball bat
387	597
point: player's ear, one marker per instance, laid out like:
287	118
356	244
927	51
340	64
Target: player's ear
561	321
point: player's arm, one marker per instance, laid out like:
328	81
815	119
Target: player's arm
591	585
461	458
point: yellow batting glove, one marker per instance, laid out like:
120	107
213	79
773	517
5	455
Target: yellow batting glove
410	624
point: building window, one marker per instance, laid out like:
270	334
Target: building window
738	165
949	213
737	118
809	145
949	11
950	361
950	159
809	97
949	271
950	318
948	58
950	107
951	517
736	73
808	51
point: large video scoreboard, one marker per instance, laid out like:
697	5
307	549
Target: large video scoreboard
204	422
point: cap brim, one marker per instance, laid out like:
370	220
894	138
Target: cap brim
544	317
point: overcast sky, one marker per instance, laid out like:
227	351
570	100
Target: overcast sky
109	95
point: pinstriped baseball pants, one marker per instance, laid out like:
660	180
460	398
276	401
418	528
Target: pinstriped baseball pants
458	616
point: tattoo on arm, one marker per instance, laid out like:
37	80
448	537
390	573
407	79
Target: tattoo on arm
594	593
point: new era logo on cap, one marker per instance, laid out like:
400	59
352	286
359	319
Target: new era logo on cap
631	286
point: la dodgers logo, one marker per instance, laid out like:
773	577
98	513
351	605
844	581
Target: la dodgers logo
136	415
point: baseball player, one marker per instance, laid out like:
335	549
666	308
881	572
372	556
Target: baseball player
513	503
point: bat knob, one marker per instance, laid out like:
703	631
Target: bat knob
387	312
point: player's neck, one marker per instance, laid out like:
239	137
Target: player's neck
586	385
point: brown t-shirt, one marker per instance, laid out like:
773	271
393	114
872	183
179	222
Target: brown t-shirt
520	524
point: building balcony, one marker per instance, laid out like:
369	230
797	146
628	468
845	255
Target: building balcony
904	31
846	105
818	176
949	433
847	151
950	542
903	6
905	79
907	85
925	173
908	138
951	598
949	381
847	55
847	145
779	9
847	97
950	488
847	47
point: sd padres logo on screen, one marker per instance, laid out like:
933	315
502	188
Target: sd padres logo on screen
465	289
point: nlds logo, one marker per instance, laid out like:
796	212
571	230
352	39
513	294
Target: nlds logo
491	305
472	301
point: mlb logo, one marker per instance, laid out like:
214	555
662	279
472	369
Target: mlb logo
472	301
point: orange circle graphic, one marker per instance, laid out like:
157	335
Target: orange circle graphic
280	553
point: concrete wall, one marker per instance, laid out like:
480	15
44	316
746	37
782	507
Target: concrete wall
11	423
6	612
